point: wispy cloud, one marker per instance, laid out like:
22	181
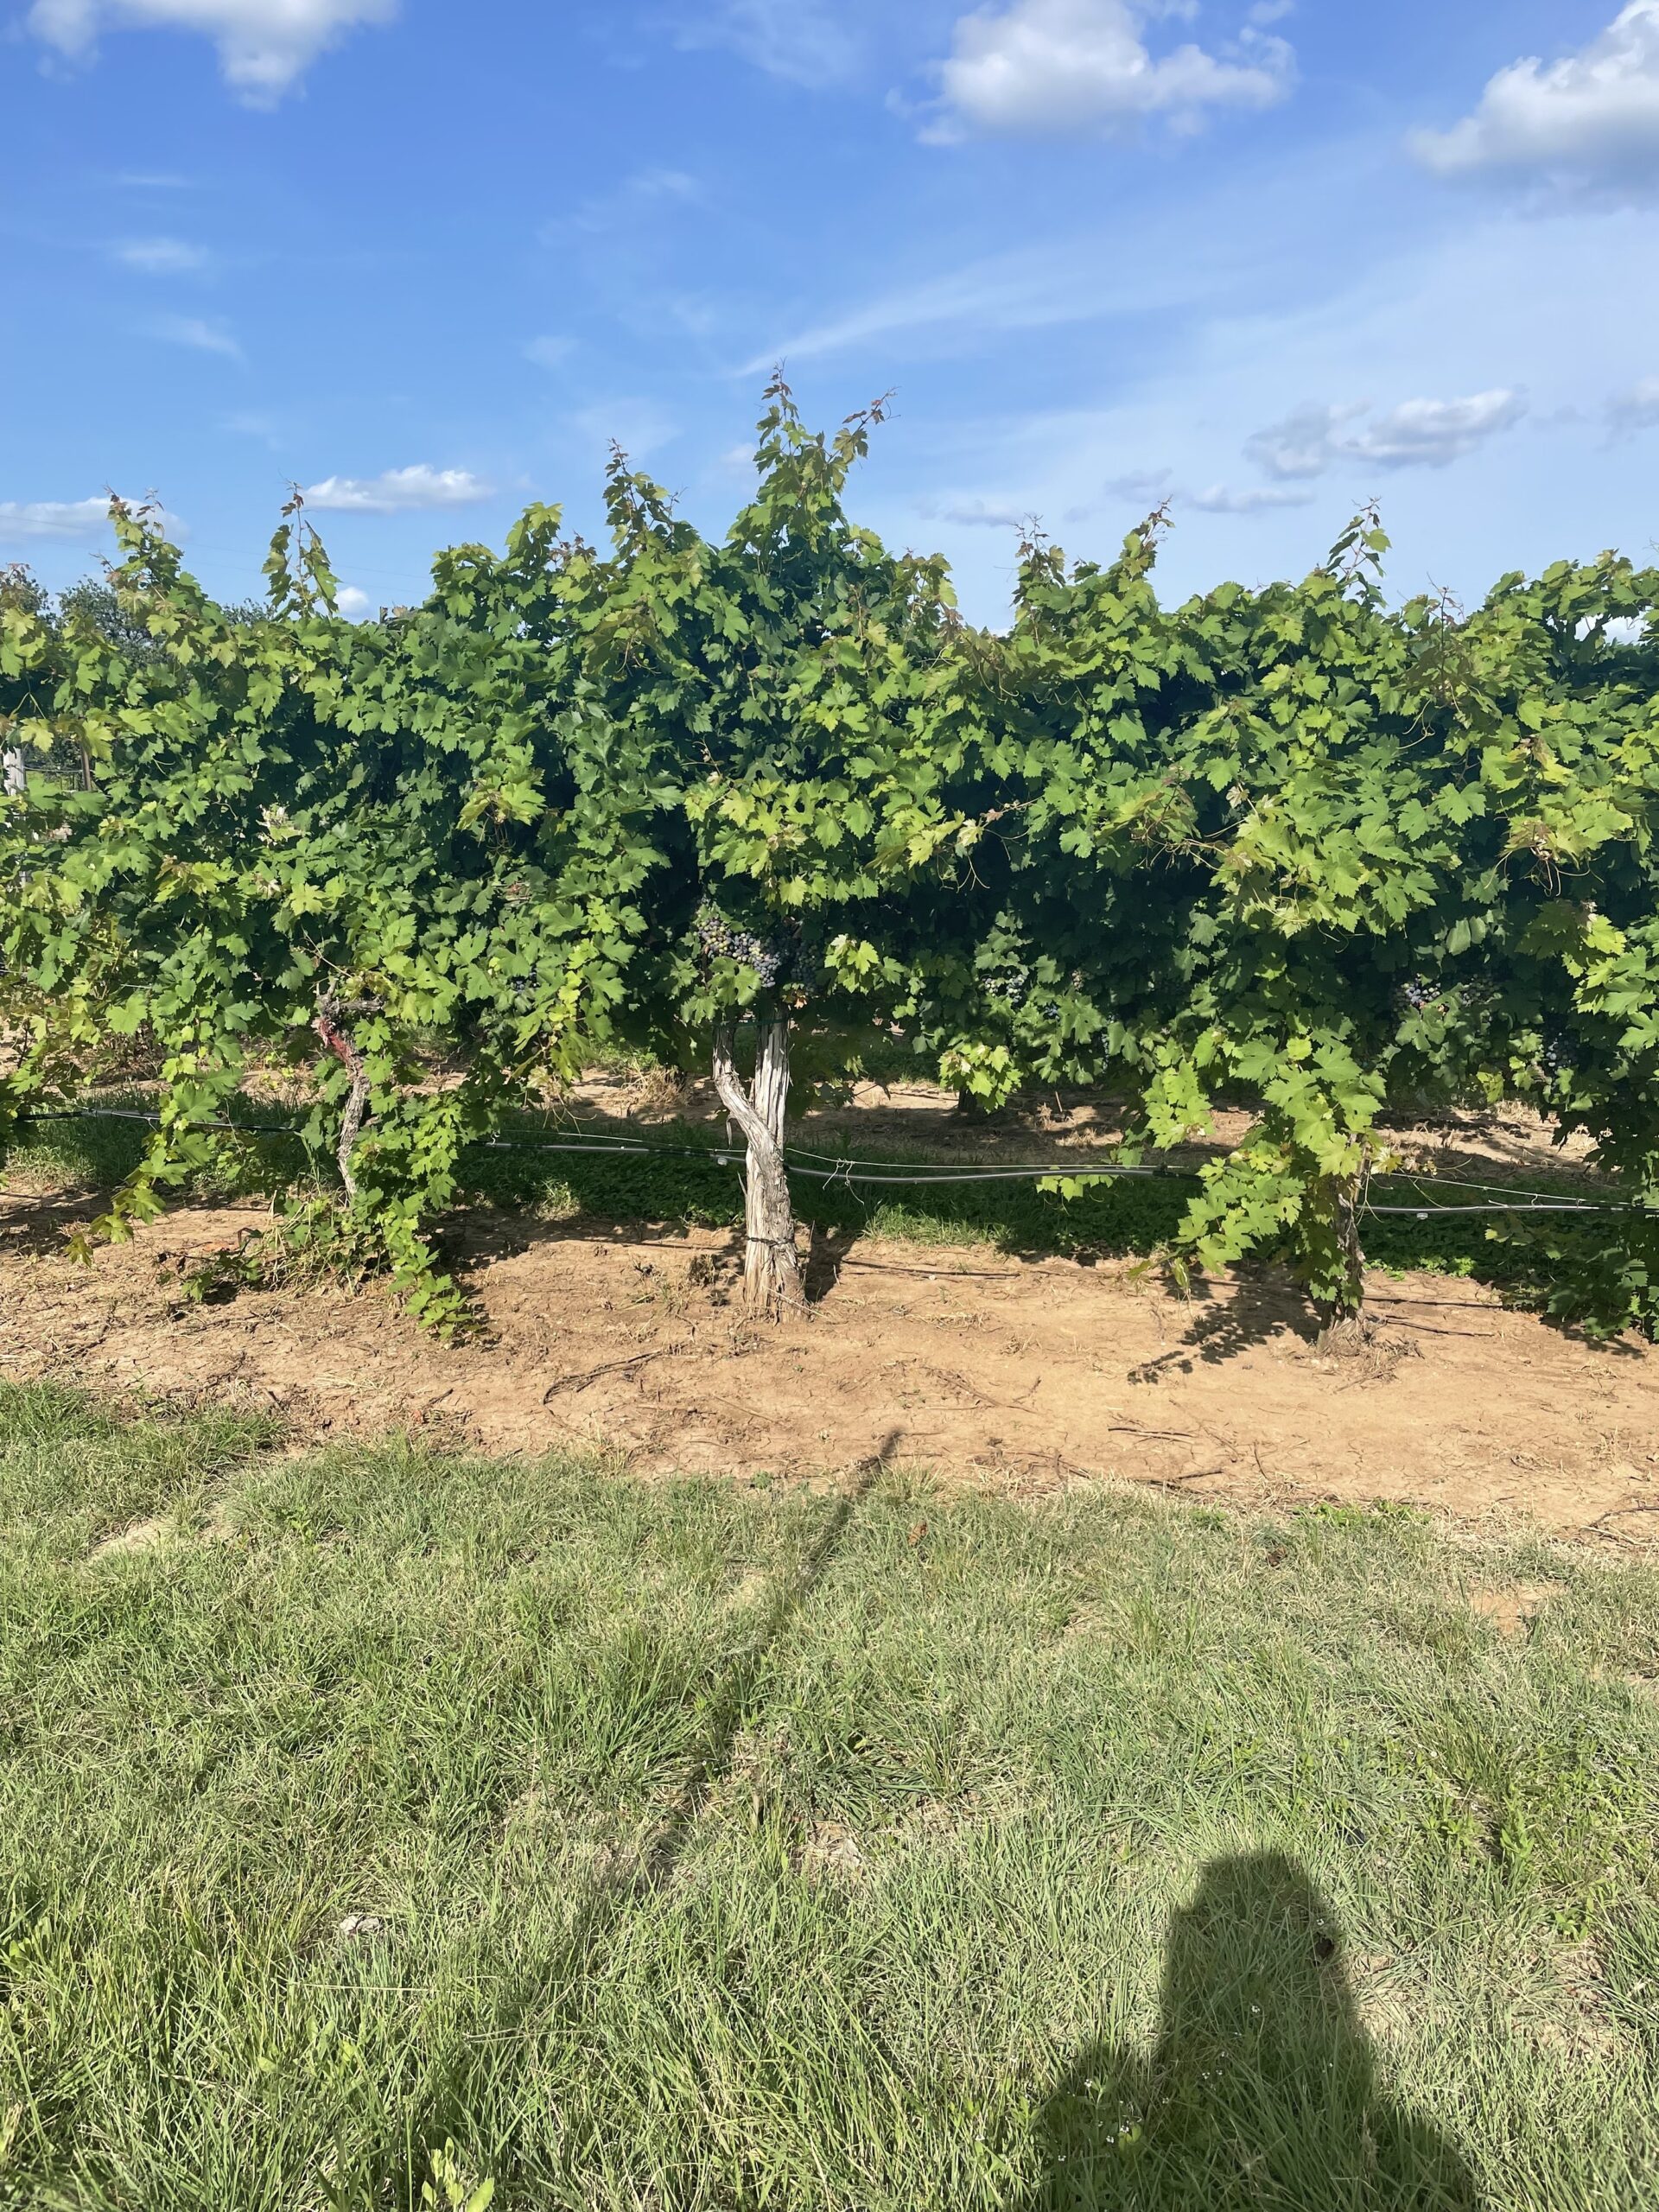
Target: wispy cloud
1149	483
1223	499
1015	291
1172	263
639	426
550	352
1139	491
162	257
195	332
1142	489
645	191
976	514
254	426
801	41
399	490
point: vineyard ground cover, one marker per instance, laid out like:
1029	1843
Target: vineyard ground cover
608	1288
390	1817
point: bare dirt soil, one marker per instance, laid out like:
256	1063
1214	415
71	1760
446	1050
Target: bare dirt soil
867	1117
1020	1375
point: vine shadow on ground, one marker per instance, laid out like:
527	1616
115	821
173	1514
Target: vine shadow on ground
1261	2088
1253	1311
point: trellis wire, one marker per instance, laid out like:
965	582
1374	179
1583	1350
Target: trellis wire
893	1173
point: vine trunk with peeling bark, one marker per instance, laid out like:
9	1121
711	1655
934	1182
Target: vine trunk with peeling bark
1344	1325
771	1268
328	1025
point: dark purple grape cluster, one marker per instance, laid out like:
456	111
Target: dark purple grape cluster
1015	989
1561	1055
721	940
1419	996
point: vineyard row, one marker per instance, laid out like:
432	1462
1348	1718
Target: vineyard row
765	805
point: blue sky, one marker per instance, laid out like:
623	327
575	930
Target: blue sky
427	259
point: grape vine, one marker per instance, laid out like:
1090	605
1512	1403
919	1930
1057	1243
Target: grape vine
1294	850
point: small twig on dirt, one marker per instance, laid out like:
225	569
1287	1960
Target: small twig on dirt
1621	1513
1226	1442
1192	1475
950	1275
612	1367
1428	1328
1162	1435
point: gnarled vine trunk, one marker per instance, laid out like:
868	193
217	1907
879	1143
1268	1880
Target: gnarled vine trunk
772	1266
1344	1325
329	1026
14	773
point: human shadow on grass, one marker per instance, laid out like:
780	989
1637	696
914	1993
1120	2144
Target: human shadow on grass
1261	2092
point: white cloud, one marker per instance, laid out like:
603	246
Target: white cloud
192	330
161	256
1421	434
1142	489
976	514
1047	68
353	604
1304	444
398	491
1430	433
53	517
1591	116
1150	485
65	520
1222	500
1636	408
1146	488
549	352
264	46
797	40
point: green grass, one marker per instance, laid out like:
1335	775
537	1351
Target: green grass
720	1846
